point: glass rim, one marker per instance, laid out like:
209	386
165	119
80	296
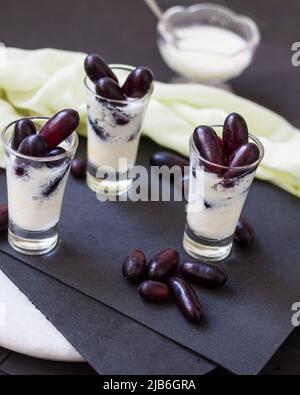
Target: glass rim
130	99
221	167
73	144
252	43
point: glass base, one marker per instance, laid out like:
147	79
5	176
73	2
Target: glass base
32	243
216	84
206	249
108	188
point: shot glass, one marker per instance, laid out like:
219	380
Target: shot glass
114	131
216	198
35	189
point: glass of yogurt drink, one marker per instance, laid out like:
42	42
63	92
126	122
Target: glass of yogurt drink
222	170
207	43
37	168
117	98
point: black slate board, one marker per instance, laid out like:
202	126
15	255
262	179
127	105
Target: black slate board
245	322
109	341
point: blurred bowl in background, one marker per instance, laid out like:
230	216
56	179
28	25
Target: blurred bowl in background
207	43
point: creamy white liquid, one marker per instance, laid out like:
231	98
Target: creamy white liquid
214	213
29	209
117	140
207	53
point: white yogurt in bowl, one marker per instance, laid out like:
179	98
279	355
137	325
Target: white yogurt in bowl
206	42
207	53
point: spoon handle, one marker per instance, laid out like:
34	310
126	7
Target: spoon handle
152	4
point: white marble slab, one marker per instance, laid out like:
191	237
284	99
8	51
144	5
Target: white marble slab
24	329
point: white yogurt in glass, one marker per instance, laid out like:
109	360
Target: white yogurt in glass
113	133
35	187
35	197
213	214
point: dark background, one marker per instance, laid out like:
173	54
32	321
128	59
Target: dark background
124	31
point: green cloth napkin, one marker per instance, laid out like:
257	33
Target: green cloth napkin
42	82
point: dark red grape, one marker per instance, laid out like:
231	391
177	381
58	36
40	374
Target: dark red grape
108	88
244	233
59	127
163	265
221	143
33	145
78	168
54	152
23	127
245	155
138	82
96	68
235	133
3	216
135	267
204	274
168	159
185	299
153	291
209	147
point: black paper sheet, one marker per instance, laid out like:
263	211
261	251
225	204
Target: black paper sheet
286	361
18	364
245	322
4	353
109	341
